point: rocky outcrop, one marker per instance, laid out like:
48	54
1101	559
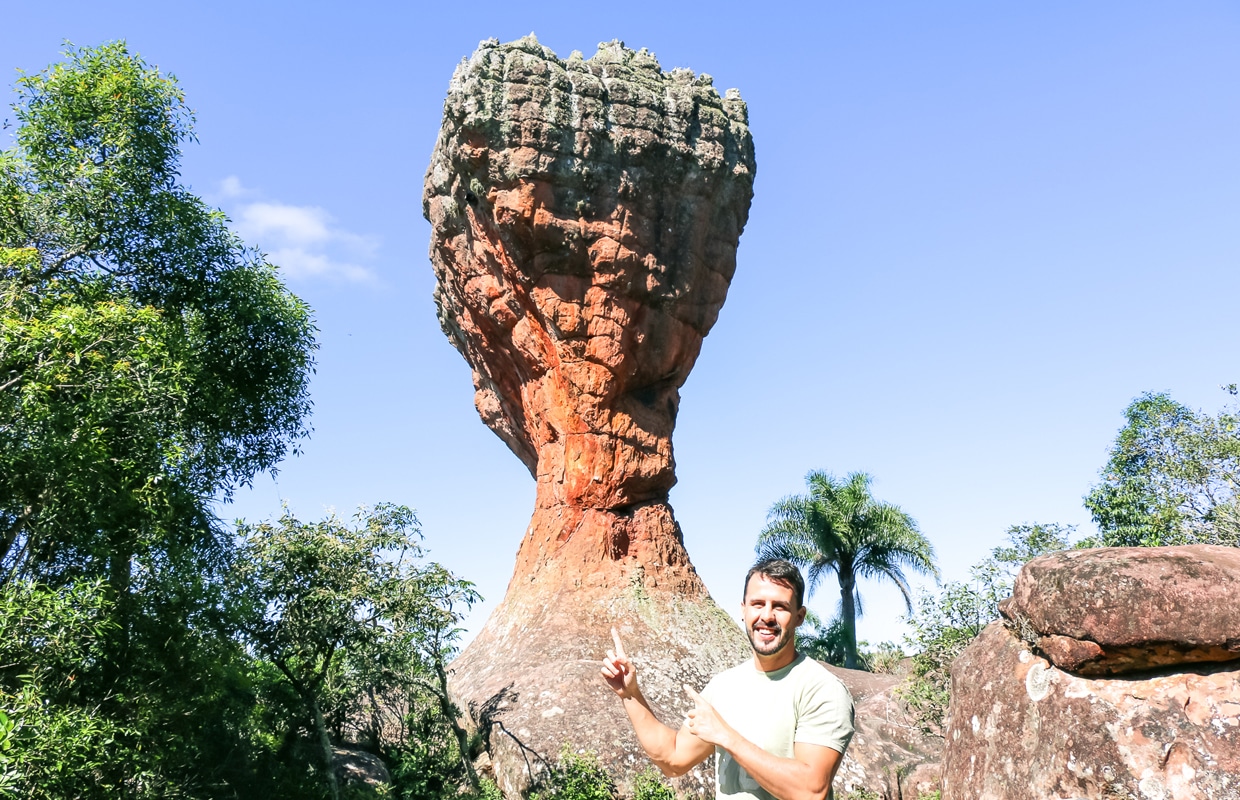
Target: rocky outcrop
359	771
1107	681
586	214
1121	609
889	755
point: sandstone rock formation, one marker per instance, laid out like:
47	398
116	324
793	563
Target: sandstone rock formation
359	771
1107	681
585	217
889	755
1119	609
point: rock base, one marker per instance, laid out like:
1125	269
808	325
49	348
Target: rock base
531	678
889	755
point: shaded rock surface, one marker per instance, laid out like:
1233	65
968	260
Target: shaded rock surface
359	769
889	755
585	218
1123	609
1020	727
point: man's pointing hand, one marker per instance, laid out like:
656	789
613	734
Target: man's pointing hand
618	671
704	721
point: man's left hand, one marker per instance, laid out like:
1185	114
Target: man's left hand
704	721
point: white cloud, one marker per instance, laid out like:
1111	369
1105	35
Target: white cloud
303	263
231	187
303	241
305	225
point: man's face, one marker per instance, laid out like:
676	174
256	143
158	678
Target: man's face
770	619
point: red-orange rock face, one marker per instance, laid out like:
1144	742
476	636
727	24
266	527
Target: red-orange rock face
1113	610
1105	682
585	216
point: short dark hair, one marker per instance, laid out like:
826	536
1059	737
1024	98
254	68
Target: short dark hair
778	570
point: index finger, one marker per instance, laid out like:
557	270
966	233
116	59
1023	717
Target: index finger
615	637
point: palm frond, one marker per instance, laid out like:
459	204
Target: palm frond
839	527
800	553
896	576
814	573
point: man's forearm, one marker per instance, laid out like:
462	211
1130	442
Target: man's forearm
785	778
658	740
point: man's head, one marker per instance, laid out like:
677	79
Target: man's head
772	605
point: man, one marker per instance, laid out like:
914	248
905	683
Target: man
779	724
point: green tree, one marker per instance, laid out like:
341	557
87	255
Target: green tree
823	641
943	623
150	364
1173	477
348	615
55	736
150	361
838	527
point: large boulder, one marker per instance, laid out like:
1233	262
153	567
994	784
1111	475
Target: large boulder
1113	675
889	755
1123	609
585	217
360	771
1021	728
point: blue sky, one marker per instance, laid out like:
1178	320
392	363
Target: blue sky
979	230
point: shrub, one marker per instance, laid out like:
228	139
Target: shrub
577	776
649	785
861	793
944	624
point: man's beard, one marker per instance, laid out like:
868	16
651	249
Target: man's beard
763	648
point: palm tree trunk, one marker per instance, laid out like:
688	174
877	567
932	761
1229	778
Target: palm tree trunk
848	615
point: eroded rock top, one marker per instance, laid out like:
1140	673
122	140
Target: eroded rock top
584	121
1121	609
586	215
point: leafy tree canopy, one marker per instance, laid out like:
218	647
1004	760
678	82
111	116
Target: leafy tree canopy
149	364
350	616
1172	478
148	360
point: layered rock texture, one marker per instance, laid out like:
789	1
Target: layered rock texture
586	215
1122	609
1115	674
889	756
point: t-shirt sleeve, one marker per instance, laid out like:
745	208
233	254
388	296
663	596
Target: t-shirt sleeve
825	714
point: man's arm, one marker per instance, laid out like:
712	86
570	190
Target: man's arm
805	776
674	752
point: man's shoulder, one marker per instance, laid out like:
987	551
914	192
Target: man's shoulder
812	673
738	672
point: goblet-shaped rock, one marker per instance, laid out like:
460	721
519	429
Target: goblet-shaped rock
585	217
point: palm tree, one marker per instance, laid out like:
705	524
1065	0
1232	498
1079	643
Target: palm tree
839	527
823	641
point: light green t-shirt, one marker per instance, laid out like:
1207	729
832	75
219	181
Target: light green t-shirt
802	702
